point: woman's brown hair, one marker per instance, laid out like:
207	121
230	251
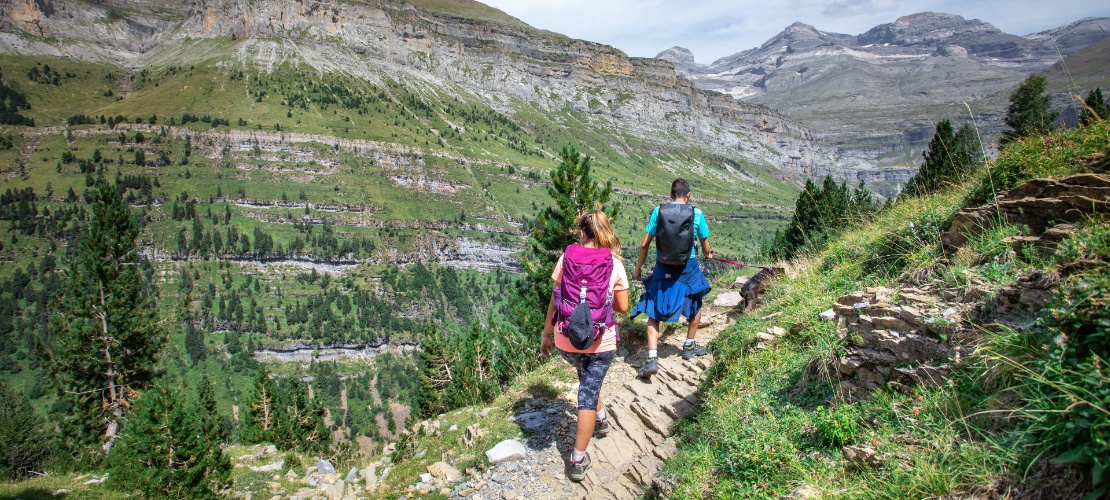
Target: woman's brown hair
596	226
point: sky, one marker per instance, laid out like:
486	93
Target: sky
712	29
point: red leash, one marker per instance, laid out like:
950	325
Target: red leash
735	263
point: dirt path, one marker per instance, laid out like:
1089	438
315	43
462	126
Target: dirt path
642	414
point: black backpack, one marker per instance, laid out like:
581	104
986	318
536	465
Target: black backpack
674	233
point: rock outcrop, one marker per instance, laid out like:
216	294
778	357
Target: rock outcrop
893	338
462	48
1047	207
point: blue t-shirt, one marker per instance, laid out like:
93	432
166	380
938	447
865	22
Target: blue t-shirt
701	229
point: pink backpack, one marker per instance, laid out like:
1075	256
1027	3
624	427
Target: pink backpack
583	301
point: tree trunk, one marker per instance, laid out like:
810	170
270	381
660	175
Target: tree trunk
114	393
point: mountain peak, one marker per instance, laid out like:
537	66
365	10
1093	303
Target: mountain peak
926	28
677	55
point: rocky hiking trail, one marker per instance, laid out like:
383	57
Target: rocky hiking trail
642	414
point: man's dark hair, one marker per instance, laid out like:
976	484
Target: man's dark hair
679	188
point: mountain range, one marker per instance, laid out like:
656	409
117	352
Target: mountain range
877	96
804	104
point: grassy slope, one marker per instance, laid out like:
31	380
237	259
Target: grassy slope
503	184
1085	70
484	189
759	435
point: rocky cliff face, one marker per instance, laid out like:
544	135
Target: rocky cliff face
457	47
877	96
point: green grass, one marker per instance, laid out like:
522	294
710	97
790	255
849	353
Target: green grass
766	426
482	181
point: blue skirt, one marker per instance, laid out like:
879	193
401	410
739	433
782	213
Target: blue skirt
672	292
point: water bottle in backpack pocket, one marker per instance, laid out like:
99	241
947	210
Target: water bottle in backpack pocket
583	301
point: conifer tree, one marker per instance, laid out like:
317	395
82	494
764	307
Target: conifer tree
969	147
1094	108
194	343
286	416
574	192
950	156
939	164
262	419
170	447
21	440
105	337
436	374
819	213
300	419
1029	112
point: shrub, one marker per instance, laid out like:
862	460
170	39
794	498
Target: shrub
22	446
836	426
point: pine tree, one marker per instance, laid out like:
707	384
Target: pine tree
301	419
170	447
105	336
819	212
194	343
1094	108
969	147
574	192
262	419
1029	113
21	440
435	373
939	164
950	157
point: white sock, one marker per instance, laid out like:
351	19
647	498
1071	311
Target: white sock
689	342
577	456
653	353
602	415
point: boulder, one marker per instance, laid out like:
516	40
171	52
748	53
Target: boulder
472	433
351	475
370	475
325	467
274	467
1039	204
892	340
861	457
531	421
728	300
507	451
444	471
803	492
827	315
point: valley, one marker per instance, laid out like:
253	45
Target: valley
326	221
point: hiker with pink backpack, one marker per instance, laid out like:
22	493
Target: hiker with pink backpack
591	286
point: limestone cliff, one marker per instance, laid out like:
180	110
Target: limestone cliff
457	46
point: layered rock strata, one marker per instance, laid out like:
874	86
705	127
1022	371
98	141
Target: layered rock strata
893	339
1047	207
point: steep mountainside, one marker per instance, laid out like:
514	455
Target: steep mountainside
458	47
878	95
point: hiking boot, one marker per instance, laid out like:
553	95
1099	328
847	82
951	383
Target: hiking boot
651	367
693	350
601	427
576	471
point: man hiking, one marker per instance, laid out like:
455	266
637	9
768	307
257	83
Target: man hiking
676	286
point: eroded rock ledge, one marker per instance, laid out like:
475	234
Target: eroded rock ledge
895	338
